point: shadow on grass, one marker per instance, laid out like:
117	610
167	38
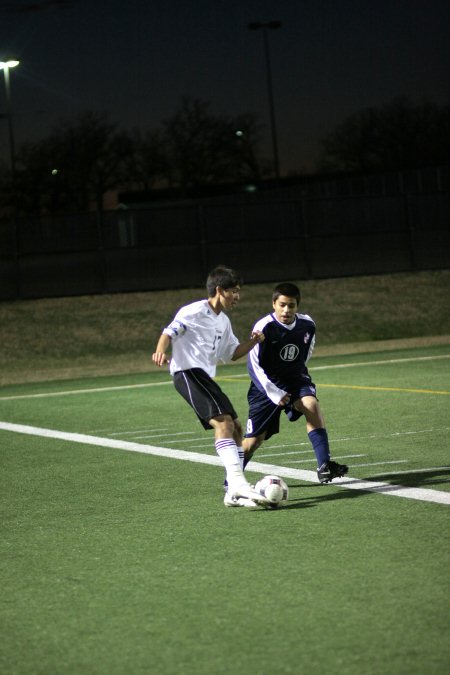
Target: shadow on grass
414	479
314	500
425	478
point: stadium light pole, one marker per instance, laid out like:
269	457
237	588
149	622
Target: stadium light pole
5	66
265	27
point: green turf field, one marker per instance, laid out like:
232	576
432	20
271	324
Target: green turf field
119	560
98	335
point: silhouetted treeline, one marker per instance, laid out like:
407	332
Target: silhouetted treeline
398	135
82	159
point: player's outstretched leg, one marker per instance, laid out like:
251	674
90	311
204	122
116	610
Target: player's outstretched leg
329	470
229	500
238	487
247	491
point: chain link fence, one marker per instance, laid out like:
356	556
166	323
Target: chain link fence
315	231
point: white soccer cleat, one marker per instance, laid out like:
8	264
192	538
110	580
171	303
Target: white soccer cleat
248	492
232	501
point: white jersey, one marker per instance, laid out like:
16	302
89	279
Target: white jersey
200	338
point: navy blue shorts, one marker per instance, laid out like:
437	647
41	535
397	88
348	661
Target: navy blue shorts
264	415
203	395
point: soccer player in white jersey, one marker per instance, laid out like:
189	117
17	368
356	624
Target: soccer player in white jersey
201	336
280	380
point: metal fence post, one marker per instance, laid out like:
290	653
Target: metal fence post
203	243
16	257
101	252
303	229
410	231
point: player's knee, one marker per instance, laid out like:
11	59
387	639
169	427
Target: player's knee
225	425
251	444
307	404
238	432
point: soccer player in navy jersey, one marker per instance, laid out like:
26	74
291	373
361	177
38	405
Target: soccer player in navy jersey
201	336
280	380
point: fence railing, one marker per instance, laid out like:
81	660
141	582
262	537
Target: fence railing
174	245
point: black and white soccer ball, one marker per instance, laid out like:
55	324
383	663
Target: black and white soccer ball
274	489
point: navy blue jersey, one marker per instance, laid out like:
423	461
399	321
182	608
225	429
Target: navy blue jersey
277	366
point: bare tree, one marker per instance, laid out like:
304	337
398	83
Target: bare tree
398	135
74	167
147	165
203	148
85	157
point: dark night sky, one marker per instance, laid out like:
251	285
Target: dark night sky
136	59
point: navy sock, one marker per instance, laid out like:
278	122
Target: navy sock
319	440
247	457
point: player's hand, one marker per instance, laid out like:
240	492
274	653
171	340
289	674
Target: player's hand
257	336
160	359
285	400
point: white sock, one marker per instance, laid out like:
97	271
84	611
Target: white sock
228	452
241	456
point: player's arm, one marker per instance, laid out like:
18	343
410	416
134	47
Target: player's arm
257	373
173	331
312	336
244	347
159	356
311	348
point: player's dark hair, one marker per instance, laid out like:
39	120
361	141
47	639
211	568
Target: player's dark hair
287	289
222	276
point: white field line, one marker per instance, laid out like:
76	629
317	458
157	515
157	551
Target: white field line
129	433
347	482
392	461
394	434
290	452
228	377
395	461
368	363
173	433
429	469
384	362
95	390
311	459
206	444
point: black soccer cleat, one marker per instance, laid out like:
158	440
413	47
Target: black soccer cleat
330	470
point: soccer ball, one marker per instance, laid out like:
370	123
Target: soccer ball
273	488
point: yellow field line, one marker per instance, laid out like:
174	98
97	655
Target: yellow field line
232	378
411	391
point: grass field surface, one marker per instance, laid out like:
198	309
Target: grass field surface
118	555
63	338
